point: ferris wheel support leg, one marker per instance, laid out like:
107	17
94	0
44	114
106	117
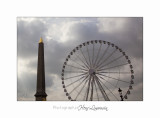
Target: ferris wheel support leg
88	88
91	98
101	89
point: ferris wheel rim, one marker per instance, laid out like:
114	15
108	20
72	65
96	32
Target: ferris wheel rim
92	68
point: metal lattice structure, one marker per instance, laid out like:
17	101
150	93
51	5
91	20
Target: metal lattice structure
97	70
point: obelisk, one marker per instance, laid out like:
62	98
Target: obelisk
40	92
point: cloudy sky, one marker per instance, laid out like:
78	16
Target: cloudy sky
60	36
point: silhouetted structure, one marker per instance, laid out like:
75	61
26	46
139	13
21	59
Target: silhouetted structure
40	93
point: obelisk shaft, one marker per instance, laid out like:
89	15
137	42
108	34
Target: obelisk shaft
40	93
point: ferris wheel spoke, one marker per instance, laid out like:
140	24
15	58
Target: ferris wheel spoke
81	89
112	67
101	89
87	92
104	53
84	57
93	55
111	61
88	55
113	78
82	61
76	67
107	81
97	55
96	89
108	89
78	84
116	72
75	81
76	76
106	58
78	64
74	71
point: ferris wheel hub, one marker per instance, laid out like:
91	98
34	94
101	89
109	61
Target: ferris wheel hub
92	71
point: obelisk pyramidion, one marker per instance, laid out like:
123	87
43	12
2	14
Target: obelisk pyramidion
40	92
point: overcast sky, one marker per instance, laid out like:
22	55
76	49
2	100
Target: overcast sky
60	36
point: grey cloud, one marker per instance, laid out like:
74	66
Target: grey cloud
129	38
27	34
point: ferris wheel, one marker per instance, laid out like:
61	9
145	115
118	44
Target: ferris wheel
97	70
